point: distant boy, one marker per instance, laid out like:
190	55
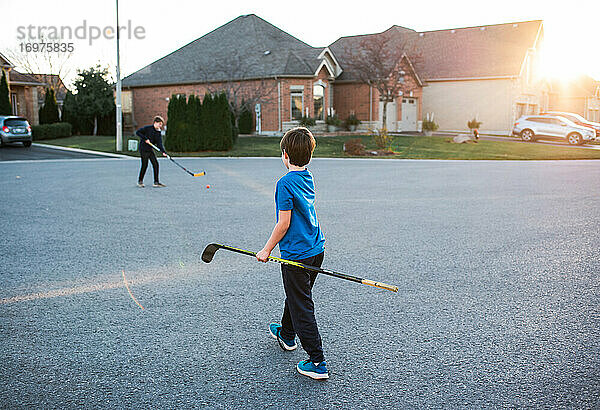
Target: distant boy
300	239
150	133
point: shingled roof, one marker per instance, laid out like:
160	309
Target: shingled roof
473	52
260	49
17	78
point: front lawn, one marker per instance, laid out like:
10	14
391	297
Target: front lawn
417	147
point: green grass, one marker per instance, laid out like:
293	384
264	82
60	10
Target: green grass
417	147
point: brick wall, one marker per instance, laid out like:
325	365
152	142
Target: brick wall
151	101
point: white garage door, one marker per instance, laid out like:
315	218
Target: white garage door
391	116
409	114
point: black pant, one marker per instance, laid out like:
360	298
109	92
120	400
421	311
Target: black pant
145	156
299	311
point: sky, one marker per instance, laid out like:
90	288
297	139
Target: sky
572	32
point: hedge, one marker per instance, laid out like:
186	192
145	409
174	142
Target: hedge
199	125
51	131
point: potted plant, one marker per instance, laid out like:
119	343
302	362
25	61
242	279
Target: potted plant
333	122
429	126
474	127
307	122
352	122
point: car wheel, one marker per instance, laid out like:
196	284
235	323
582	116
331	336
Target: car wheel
27	144
574	139
527	135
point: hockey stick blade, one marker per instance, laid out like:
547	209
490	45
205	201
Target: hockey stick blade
209	252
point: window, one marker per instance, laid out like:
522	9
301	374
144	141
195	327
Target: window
13	102
537	119
521	108
408	100
297	104
16	122
318	101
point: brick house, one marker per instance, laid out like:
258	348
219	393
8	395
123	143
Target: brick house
23	92
294	77
488	72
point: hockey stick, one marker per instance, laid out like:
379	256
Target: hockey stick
199	174
211	249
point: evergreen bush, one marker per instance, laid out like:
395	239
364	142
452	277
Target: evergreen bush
48	113
246	121
5	105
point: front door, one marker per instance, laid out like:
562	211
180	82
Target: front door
409	114
391	116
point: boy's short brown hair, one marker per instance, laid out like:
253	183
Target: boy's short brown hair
299	144
158	118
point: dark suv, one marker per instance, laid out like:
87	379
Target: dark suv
15	129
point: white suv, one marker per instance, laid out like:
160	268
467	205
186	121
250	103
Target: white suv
532	127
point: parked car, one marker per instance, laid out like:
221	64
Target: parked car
15	129
577	119
532	127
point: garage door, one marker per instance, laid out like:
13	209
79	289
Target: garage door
409	114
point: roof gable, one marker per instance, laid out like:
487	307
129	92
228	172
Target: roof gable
17	78
259	49
472	52
4	62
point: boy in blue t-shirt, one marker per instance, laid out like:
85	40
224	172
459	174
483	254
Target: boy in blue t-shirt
300	239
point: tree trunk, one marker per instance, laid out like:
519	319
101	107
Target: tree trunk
95	126
384	114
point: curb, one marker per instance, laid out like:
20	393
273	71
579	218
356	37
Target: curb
83	151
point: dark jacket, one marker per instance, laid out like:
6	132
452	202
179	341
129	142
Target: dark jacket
149	133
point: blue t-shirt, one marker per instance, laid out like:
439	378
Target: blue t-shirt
295	191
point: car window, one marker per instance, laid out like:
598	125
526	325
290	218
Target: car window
15	122
541	120
569	117
535	119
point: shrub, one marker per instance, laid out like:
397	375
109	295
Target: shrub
307	121
176	113
430	125
382	138
223	132
51	131
354	146
5	105
333	120
48	113
195	125
352	120
246	121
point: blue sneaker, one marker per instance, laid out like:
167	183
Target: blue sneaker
317	372
274	331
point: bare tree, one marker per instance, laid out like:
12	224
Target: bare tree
232	76
46	62
377	61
